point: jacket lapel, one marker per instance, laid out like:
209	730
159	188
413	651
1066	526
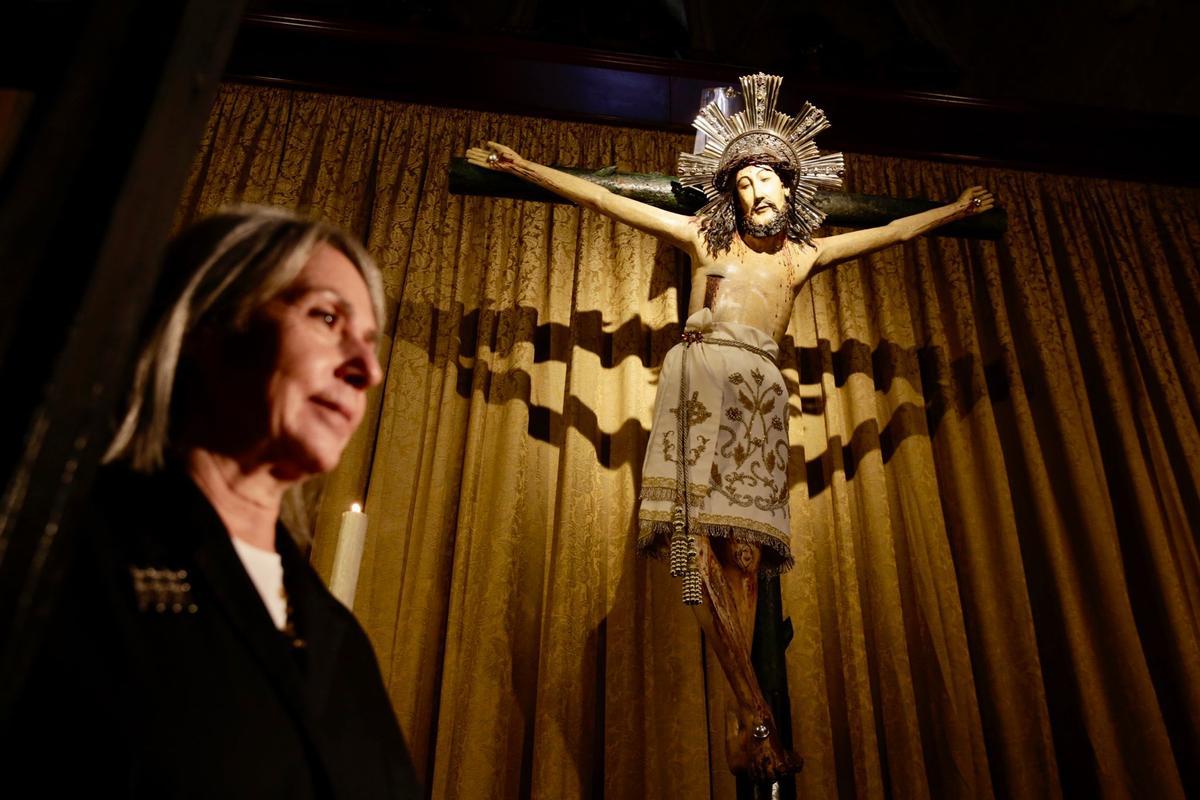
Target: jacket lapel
238	601
318	620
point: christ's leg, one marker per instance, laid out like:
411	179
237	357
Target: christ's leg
729	574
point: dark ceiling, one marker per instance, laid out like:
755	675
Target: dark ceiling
1136	55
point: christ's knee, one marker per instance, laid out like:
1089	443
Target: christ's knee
745	557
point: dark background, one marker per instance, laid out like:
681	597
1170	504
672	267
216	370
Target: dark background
1134	55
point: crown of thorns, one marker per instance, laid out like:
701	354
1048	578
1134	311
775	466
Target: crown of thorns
760	134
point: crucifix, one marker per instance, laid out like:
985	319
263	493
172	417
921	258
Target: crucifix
714	493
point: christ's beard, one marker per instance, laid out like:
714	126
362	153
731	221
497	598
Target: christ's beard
764	230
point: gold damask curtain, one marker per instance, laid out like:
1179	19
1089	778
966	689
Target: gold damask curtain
995	476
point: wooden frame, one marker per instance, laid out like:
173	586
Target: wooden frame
518	76
85	208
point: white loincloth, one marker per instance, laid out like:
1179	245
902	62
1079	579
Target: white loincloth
736	447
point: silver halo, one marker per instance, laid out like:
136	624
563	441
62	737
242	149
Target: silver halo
761	130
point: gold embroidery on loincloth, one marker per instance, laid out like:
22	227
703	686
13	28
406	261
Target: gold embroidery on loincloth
753	447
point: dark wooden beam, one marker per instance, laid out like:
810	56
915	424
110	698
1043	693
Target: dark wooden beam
501	74
85	208
842	209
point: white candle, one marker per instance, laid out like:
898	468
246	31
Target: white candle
348	557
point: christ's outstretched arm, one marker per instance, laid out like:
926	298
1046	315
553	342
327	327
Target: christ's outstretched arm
843	247
672	228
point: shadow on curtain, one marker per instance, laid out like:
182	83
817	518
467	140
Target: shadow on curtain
996	475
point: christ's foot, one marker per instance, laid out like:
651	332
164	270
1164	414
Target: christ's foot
753	749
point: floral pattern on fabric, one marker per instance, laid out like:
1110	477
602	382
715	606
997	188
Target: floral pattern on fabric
754	441
736	442
696	414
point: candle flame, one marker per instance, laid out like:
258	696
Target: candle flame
355	507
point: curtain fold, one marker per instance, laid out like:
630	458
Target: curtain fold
995	477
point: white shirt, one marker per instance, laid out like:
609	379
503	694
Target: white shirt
265	568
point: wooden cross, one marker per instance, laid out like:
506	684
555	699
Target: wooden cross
843	210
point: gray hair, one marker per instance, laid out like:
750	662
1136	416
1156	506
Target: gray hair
217	273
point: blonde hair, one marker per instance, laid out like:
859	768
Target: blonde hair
217	273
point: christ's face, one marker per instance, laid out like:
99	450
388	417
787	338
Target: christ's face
762	197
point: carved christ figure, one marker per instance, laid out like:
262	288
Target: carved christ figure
714	492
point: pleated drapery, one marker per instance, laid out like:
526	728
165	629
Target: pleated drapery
995	477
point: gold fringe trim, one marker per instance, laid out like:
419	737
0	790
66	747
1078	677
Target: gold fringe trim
654	534
699	489
670	494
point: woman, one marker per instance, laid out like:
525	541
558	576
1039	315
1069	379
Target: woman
195	652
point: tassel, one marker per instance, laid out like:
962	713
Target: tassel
691	588
691	576
678	555
682	557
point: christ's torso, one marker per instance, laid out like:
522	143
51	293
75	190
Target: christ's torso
751	288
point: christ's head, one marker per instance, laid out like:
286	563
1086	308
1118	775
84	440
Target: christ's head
762	200
758	201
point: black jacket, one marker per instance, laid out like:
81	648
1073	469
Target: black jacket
176	683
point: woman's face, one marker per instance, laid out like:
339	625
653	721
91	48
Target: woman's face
295	384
